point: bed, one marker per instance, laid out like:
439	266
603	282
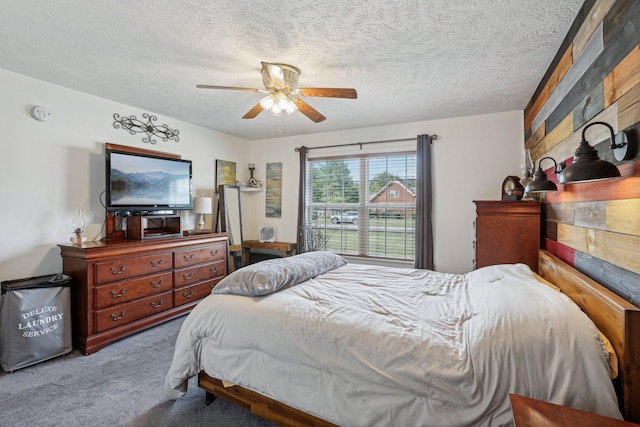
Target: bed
353	345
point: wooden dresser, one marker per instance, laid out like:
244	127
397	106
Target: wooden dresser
507	232
120	288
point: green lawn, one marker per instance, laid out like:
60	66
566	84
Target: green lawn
389	244
376	221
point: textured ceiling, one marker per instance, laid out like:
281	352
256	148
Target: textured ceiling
409	60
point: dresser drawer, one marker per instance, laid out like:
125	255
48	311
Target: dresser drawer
194	292
111	271
127	290
189	257
122	314
188	276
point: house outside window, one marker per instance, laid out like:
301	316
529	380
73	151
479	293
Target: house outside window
362	205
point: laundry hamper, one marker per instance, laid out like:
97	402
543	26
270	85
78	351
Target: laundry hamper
35	320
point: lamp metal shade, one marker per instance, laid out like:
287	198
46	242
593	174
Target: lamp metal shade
202	205
540	183
587	166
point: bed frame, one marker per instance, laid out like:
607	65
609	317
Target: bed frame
618	319
258	404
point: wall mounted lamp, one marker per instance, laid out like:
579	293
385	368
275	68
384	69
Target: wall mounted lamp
541	183
202	206
587	166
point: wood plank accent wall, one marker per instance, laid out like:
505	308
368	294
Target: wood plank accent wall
595	76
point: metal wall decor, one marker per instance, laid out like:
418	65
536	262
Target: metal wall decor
133	126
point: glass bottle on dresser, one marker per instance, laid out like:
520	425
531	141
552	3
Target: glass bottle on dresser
527	166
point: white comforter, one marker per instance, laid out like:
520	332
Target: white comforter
371	346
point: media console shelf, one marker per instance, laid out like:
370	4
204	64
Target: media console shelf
141	227
122	287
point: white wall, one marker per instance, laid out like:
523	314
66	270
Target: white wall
48	169
471	157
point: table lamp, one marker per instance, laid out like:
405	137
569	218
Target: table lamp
202	206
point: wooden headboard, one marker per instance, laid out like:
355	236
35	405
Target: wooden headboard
617	318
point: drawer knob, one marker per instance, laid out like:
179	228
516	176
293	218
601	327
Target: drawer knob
157	285
114	271
156	305
156	264
119	294
213	269
115	318
187	276
186	294
188	258
214	253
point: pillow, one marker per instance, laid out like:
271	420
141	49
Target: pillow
613	357
272	275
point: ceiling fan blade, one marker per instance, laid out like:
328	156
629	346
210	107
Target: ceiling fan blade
274	74
246	89
308	110
253	112
328	92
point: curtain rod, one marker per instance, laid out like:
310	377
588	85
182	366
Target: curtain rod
433	137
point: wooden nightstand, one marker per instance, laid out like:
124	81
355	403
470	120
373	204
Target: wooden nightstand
529	412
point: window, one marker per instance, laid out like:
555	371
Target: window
362	205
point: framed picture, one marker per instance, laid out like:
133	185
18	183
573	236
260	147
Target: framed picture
273	208
225	173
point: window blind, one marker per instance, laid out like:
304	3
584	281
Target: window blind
361	203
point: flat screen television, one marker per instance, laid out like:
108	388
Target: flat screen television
142	182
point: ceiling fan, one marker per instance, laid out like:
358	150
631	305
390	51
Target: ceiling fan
281	86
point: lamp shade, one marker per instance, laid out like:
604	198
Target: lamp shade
202	205
541	183
590	170
587	166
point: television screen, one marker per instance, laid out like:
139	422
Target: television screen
142	182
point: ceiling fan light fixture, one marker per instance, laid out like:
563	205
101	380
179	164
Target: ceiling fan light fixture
282	101
276	103
275	110
280	76
291	107
268	102
285	103
281	83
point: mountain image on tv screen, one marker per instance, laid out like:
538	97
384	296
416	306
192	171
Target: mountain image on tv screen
146	181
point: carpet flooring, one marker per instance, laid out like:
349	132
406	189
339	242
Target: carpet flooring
120	385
